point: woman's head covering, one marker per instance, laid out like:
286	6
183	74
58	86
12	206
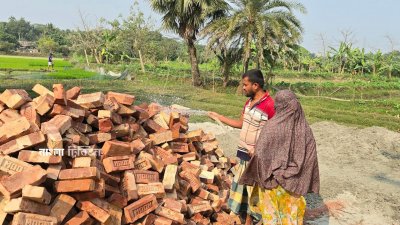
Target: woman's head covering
285	152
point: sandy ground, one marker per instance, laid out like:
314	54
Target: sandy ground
359	170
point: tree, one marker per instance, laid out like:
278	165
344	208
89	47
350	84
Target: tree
263	25
136	32
186	18
7	41
47	44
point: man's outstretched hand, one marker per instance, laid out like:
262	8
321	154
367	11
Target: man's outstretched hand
214	115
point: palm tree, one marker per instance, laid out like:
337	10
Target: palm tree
265	24
228	52
186	18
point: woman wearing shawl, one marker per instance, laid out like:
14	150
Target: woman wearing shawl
285	166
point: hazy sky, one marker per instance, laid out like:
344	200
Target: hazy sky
369	20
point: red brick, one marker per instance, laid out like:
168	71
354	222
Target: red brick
184	187
137	146
13	129
114	212
44	103
140	208
121	131
12	186
118	200
156	163
116	148
125	111
173	204
90	101
9	115
105	125
163	221
79	173
61	206
166	157
128	186
14	98
149	219
82	218
23	142
170	177
153	109
119	163
111	104
204	194
25	205
170	214
81	162
54	138
207	177
99	138
115	118
152	127
61	122
81	127
38	157
98	192
191	156
195	135
28	111
142	164
96	212
41	90
29	218
37	194
186	166
53	171
200	207
59	94
179	147
68	111
192	179
162	137
81	185
125	99
153	188
12	165
146	177
73	93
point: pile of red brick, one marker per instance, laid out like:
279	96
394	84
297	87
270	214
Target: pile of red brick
72	158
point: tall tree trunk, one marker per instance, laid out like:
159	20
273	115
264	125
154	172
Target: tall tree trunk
246	64
141	61
225	72
95	56
374	69
86	57
196	79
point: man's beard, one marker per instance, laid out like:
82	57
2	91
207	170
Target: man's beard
250	94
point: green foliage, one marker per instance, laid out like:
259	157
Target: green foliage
72	74
30	63
47	45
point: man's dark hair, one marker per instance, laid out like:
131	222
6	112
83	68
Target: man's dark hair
255	76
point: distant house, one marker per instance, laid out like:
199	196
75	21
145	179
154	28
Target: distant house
27	46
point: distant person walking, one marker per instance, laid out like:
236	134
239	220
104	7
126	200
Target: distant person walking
50	62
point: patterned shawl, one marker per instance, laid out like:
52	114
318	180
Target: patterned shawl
285	152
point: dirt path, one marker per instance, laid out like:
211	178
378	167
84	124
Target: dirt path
359	169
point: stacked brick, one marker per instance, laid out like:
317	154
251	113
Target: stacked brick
73	158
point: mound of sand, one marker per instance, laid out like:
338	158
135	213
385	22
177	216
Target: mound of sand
359	168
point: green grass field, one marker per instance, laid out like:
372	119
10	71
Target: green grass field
36	67
30	63
369	103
